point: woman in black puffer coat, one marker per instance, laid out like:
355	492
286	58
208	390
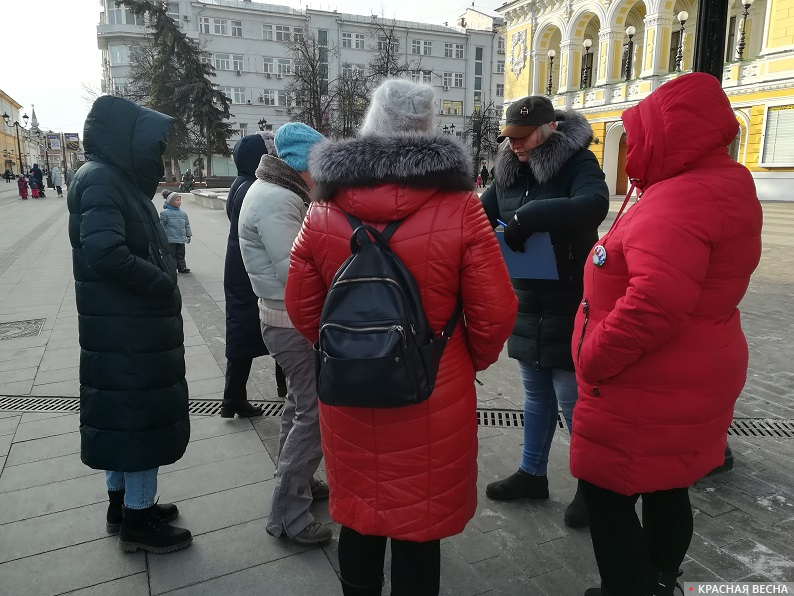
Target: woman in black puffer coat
133	392
243	336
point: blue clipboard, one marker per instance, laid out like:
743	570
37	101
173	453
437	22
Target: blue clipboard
536	262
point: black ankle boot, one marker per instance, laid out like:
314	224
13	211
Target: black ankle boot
667	583
349	589
517	486
576	515
167	511
240	407
143	528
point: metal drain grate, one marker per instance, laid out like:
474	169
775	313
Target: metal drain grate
17	329
778	428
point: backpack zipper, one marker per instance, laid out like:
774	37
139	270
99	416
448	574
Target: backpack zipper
389	329
586	311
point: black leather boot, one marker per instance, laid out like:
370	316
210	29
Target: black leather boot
518	486
143	528
167	511
667	583
349	589
241	407
576	515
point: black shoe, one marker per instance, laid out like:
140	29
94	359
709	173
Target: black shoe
349	589
242	408
576	515
167	511
518	486
143	528
667	584
184	270
319	489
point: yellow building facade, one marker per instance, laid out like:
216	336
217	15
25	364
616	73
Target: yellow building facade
602	56
8	139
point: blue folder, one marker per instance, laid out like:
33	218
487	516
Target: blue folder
536	262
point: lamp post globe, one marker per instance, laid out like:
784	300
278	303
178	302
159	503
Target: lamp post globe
587	43
679	54
551	55
740	46
630	31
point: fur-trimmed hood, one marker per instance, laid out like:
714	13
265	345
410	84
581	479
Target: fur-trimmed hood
413	159
546	160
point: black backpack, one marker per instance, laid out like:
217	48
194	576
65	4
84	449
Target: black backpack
376	346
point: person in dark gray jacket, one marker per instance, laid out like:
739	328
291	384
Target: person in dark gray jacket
133	392
177	227
546	180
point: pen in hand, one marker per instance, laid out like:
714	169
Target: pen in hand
501	223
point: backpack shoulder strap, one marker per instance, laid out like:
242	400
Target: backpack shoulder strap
387	232
449	328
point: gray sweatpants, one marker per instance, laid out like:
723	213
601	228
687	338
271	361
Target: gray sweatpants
299	449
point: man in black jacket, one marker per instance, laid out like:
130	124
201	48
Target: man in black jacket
546	180
133	392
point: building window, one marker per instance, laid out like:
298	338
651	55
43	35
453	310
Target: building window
205	58
447	50
120	86
500	45
730	46
237	62
500	90
415	76
452	108
447	79
222	62
115	16
237	28
778	139
204	25
500	67
243	130
269	96
238	94
268	66
282	98
427	76
267	32
458	50
359	41
479	51
220	26
297	33
347	40
383	44
172	10
118	55
282	33
416	46
458	79
427	48
284	66
477	98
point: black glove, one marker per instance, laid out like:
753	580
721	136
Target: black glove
515	236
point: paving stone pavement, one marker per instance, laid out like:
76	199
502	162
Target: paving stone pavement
52	507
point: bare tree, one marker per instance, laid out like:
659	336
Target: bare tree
311	93
387	60
482	128
353	95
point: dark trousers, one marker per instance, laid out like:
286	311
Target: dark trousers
629	553
415	566
59	190
237	372
179	255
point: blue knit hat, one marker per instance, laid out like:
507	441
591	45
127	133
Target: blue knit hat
293	143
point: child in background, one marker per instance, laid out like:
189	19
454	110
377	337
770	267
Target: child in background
23	187
177	227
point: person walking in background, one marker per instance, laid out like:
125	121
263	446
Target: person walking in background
57	180
7	175
484	175
660	354
35	190
69	176
177	227
243	336
22	183
547	180
133	393
39	175
410	473
270	219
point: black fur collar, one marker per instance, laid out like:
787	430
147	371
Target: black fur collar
413	159
572	135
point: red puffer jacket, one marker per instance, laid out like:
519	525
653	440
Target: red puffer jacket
407	473
658	345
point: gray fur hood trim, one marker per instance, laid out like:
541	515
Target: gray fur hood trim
572	135
413	159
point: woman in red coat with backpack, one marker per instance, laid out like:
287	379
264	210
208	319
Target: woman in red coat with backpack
658	344
406	473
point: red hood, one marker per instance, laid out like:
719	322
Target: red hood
386	202
675	126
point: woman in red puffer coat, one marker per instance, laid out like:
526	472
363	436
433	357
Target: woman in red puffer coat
658	344
408	473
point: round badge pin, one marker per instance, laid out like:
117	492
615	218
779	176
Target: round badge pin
599	256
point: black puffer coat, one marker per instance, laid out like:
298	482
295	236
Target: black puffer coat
243	335
561	190
133	393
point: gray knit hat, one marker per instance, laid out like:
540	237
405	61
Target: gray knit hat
399	106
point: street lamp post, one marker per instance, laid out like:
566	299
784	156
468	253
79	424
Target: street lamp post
630	31
551	55
262	123
17	125
448	130
679	54
740	47
586	66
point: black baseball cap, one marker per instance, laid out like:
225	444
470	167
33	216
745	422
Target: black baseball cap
525	115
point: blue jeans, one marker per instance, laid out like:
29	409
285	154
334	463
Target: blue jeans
140	488
543	389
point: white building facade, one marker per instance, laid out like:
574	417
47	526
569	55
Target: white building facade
247	43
